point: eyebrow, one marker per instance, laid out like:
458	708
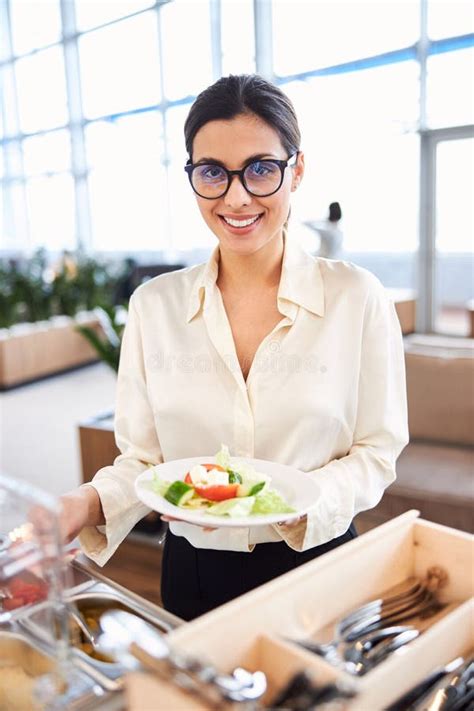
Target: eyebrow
250	159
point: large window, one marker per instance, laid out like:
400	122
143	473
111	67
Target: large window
119	66
308	35
368	164
95	95
127	182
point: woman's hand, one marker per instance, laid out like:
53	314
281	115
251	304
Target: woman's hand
291	524
74	514
79	508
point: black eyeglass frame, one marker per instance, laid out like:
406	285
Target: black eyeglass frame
282	164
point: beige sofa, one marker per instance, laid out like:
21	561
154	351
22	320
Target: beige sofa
435	472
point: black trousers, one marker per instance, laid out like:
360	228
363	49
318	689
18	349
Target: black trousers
196	580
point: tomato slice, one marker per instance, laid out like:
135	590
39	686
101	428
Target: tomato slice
218	492
12	603
207	467
30	591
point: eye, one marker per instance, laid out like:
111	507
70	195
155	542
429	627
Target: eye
210	173
261	169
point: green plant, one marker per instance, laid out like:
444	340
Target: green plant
107	345
37	288
30	293
7	305
81	282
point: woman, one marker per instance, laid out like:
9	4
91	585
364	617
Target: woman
279	355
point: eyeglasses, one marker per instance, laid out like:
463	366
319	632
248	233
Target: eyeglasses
260	178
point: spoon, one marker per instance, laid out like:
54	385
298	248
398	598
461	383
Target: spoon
81	622
124	634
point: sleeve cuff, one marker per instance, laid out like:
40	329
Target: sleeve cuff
329	518
99	543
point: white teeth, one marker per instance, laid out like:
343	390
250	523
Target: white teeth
241	223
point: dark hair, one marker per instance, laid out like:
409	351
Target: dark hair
240	94
335	212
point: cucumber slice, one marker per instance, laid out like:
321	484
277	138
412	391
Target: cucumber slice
255	489
179	493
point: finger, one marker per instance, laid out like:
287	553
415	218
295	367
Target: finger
290	523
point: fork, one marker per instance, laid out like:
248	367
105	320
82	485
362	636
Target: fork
378	653
373	606
413	601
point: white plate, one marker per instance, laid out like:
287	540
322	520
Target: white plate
298	489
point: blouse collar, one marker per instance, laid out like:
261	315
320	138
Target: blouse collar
301	282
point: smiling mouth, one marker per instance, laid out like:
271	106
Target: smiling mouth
240	223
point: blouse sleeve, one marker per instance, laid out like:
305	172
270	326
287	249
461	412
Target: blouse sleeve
357	481
137	440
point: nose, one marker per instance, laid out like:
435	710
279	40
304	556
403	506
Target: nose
237	196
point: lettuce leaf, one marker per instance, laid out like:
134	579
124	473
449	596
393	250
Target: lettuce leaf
233	507
159	486
223	457
269	502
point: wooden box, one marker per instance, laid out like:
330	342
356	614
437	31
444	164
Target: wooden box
97	444
34	350
252	631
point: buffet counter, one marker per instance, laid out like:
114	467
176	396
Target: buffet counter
28	652
262	641
259	631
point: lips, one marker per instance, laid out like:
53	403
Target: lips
240	222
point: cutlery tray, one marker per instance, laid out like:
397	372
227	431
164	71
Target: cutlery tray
254	631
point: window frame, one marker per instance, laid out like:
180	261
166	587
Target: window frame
419	51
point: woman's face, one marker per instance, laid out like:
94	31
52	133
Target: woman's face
234	143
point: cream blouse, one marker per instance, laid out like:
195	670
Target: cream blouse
325	394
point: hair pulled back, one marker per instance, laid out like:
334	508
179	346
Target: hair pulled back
247	94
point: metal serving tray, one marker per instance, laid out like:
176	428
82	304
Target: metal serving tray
96	593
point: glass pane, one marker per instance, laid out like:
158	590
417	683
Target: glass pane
455	188
42	103
368	164
12	158
310	35
15	234
127	183
91	13
448	18
48	153
454	234
450	78
51	208
237	35
7	100
119	66
34	24
187	227
2	219
186	38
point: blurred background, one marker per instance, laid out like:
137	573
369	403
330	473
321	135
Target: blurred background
95	94
94	198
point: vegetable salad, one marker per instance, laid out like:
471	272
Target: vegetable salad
223	488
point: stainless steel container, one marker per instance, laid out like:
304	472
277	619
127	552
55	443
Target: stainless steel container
90	593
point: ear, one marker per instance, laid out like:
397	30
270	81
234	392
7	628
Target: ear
298	171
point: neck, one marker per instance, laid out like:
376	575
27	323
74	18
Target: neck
250	272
